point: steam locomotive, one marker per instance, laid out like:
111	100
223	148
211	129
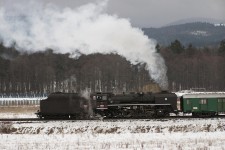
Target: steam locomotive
132	105
139	105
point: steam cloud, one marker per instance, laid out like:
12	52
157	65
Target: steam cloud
86	29
86	94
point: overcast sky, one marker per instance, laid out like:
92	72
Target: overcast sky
151	13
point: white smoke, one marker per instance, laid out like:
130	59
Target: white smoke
86	95
86	29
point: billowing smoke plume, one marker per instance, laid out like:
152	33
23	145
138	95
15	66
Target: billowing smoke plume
86	29
86	94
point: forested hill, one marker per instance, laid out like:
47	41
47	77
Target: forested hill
198	34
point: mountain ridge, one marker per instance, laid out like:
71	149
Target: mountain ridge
199	34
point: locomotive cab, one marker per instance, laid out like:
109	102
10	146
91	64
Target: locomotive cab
100	100
100	103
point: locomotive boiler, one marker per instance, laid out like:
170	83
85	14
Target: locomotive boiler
134	105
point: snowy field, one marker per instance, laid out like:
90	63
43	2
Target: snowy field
199	134
191	134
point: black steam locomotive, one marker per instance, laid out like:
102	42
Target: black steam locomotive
133	105
139	105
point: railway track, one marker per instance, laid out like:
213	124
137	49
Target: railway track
106	119
18	119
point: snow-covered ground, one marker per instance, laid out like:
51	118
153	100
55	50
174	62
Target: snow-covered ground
199	141
199	134
121	134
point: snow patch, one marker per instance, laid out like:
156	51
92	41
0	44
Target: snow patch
200	33
122	134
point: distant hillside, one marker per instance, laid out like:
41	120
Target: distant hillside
198	34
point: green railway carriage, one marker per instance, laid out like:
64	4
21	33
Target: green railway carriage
203	104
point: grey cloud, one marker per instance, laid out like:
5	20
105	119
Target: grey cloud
146	13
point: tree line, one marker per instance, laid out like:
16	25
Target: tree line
46	72
192	67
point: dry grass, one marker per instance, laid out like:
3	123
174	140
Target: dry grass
19	109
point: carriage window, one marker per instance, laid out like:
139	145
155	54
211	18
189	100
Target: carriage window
221	100
188	102
203	101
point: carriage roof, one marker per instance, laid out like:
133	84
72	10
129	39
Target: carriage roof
205	95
